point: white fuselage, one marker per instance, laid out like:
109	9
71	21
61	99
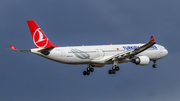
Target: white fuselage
97	54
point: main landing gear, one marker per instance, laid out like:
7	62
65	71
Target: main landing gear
154	65
89	69
114	69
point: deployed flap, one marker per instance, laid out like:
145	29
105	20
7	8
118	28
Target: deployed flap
133	52
13	48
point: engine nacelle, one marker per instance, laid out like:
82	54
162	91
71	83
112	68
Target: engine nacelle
141	60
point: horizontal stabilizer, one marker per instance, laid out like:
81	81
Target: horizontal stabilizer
13	48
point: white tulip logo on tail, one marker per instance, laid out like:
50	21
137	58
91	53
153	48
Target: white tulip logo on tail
40	40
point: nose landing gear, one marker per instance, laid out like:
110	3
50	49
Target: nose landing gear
154	65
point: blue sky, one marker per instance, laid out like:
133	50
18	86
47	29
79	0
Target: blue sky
27	77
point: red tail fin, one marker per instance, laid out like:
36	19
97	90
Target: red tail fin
39	38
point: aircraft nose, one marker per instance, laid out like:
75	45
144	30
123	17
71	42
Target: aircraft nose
165	52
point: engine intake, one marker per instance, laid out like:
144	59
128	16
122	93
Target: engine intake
141	60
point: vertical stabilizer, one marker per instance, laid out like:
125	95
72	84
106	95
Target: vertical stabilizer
39	38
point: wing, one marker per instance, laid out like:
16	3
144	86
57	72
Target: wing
131	53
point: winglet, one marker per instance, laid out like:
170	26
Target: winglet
12	47
152	39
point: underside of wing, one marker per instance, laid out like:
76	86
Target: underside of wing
133	52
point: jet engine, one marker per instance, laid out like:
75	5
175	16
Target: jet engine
141	60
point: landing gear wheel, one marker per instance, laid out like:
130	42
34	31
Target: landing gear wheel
84	73
117	68
88	68
88	73
110	71
92	69
113	71
154	66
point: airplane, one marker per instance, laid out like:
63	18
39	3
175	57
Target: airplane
95	55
